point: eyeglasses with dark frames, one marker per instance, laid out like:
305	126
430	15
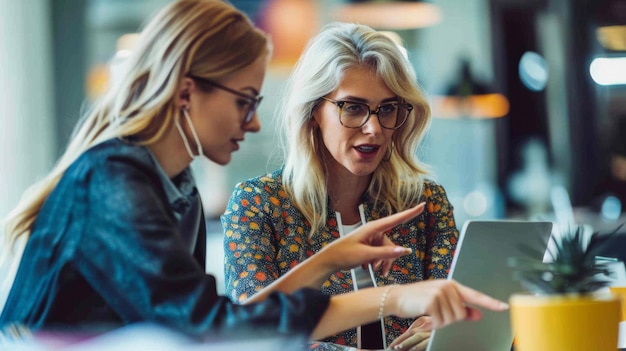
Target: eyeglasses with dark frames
253	101
391	115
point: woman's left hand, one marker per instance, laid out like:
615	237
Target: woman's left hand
415	338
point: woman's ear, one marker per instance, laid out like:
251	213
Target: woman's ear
313	118
185	88
313	122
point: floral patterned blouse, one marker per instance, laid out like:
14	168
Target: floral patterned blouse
265	236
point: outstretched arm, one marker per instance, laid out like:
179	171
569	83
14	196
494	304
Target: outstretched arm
368	244
445	301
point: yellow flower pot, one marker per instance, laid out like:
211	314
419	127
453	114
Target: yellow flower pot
569	322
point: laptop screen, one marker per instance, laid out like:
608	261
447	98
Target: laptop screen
480	262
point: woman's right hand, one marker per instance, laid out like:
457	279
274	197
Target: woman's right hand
368	245
445	301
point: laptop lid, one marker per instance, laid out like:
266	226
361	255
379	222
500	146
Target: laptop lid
480	262
616	247
614	254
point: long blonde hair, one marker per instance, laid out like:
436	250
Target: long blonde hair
204	38
396	184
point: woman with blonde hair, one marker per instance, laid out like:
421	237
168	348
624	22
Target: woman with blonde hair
115	233
353	117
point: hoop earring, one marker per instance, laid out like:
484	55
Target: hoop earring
389	152
193	132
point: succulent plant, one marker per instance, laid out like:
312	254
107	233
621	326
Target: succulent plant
573	268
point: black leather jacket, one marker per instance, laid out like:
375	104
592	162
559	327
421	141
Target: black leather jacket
106	249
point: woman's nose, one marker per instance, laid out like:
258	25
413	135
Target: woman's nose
372	125
254	125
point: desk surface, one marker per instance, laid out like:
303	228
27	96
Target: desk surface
148	337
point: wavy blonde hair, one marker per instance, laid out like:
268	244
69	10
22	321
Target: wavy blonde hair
204	38
396	184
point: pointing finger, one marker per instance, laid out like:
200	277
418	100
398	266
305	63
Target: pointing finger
477	298
389	222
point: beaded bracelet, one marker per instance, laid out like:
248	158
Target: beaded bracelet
383	299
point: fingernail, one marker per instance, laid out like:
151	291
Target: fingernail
504	305
402	249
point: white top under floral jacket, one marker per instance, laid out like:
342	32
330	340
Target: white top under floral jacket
266	236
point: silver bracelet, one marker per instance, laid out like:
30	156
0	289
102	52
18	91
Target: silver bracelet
383	299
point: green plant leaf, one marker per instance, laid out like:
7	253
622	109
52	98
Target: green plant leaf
574	267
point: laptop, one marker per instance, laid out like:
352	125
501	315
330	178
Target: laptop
614	255
616	248
480	262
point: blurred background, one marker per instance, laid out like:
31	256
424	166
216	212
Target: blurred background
528	96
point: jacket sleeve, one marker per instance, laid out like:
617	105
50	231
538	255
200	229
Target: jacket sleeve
250	249
441	232
132	254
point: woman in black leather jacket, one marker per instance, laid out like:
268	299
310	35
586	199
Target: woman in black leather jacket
115	233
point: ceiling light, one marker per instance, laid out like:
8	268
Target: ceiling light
468	98
608	70
387	14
